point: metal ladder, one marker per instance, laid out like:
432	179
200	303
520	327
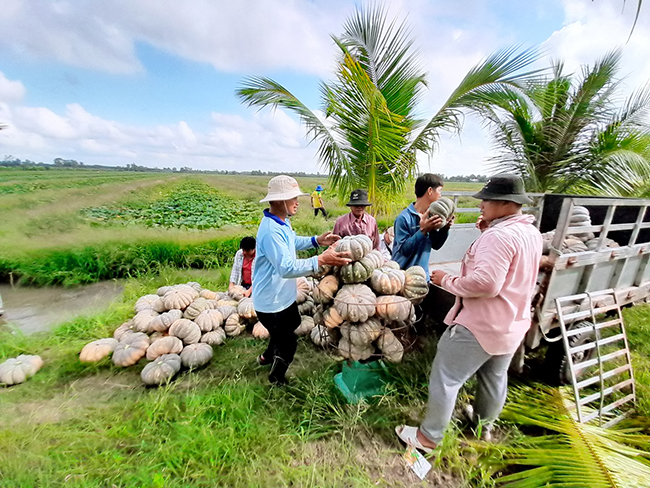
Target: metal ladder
609	371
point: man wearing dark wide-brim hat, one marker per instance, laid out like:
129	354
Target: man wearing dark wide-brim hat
491	315
358	221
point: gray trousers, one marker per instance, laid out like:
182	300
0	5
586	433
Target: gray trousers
458	357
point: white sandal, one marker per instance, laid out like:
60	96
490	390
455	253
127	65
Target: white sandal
409	435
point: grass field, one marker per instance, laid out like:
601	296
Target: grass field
97	425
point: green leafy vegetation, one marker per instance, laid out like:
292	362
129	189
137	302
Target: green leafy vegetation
194	205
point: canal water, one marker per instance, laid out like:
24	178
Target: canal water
40	309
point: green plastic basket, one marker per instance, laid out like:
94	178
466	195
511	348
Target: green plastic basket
361	381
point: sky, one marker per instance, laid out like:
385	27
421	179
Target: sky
153	82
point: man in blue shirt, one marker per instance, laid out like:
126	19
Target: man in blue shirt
416	233
276	270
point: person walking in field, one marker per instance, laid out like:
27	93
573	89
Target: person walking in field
317	201
490	317
358	221
243	266
276	270
416	232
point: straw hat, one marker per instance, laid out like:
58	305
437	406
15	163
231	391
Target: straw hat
281	188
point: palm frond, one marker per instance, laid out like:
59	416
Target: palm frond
488	82
569	453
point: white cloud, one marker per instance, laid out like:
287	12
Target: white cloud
594	28
268	141
11	90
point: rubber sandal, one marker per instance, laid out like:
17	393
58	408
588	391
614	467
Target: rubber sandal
409	435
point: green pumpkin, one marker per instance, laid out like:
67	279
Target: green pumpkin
444	207
360	271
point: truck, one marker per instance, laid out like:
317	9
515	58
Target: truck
575	287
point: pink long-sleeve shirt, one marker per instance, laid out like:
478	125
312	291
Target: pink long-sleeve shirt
496	284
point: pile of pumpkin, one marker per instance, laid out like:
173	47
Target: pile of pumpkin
579	241
178	326
363	308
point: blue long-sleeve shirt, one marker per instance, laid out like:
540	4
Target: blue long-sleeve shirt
276	265
411	247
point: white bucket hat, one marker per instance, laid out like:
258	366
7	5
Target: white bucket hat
281	188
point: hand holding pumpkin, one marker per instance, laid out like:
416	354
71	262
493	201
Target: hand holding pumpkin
333	258
430	222
327	239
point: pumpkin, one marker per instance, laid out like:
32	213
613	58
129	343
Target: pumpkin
208	294
391	348
233	327
416	285
352	351
305	327
260	332
97	350
326	289
237	292
195	308
196	355
130	349
362	334
126	327
163	322
209	320
360	271
161	370
227	302
142	320
323	270
212	304
307	307
304	289
163	289
356	246
593	243
387	281
196	286
157	335
246	310
579	210
320	336
391	264
227	310
185	330
164	345
444	207
145	303
214	337
573	245
355	303
16	370
393	308
179	297
332	318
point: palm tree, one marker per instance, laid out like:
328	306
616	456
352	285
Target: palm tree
563	135
371	133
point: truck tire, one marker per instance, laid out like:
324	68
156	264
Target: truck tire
556	362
